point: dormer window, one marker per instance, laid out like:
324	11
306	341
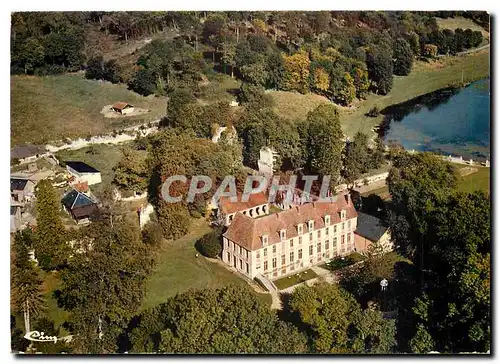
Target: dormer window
264	240
327	219
311	225
342	214
283	234
299	229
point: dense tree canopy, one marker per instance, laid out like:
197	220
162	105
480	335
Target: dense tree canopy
232	319
337	324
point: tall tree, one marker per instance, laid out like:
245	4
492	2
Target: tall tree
50	247
102	287
380	68
323	139
403	56
27	295
356	158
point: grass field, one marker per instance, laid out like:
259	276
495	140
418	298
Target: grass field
178	270
50	108
479	180
424	78
294	279
460	22
295	106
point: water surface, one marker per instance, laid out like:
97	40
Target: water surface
451	122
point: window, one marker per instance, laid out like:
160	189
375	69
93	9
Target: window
310	237
248	270
231	245
300	240
257	255
334	229
274	263
319	248
311	225
265	266
348	237
327	219
228	257
327	231
291	257
241	264
283	262
311	250
342	240
335	242
299	228
300	253
327	245
342	214
319	234
274	249
283	234
291	243
264	240
265	252
241	250
349	224
343	226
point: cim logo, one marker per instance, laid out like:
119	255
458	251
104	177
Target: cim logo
40	337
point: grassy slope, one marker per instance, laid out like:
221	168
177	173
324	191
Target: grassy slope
295	106
50	108
460	22
178	270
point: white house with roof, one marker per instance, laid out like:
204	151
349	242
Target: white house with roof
83	172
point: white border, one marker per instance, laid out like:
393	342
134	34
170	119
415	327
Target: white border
7	7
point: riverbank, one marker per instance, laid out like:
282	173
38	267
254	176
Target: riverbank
424	78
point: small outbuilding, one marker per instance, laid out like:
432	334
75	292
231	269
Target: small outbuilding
83	172
371	230
122	108
80	206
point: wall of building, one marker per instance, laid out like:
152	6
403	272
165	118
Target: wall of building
90	178
303	255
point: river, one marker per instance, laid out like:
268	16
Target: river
453	121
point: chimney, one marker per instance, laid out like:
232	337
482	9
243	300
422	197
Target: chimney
347	198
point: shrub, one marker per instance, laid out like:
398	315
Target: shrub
152	234
374	112
210	245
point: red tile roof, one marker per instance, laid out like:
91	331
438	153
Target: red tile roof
255	199
121	105
81	187
247	232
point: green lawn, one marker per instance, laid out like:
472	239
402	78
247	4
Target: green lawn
103	157
178	270
479	180
294	279
423	79
49	108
